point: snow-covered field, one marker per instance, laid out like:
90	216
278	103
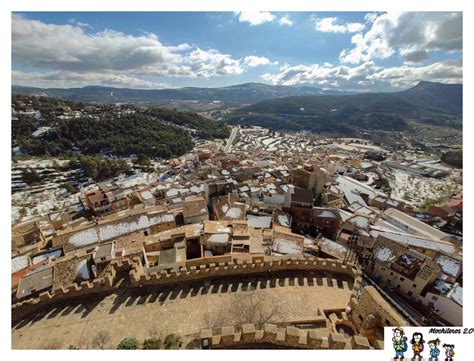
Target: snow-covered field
252	139
415	190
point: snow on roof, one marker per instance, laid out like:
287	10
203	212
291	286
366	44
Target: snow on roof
383	254
82	271
286	247
172	193
220	238
234	213
147	195
332	248
345	215
350	187
382	225
449	265
412	240
360	221
259	221
456	294
225	208
20	262
284	220
327	214
44	256
110	231
196	189
413	224
441	286
85	237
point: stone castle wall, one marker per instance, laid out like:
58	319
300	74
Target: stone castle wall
250	335
189	271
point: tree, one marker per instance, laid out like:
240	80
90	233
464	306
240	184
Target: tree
142	160
70	187
30	176
172	342
254	307
129	343
152	344
453	158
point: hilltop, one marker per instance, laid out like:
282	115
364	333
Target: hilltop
190	97
432	103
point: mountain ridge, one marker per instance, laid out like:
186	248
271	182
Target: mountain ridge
426	102
234	95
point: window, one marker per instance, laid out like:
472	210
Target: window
383	268
414	285
391	273
410	293
361	318
102	258
402	279
398	286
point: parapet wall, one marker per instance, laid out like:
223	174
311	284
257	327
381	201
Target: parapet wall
247	266
194	271
250	335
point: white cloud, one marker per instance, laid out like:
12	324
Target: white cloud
68	48
253	61
411	34
366	75
212	62
328	25
403	76
65	79
285	20
256	17
80	24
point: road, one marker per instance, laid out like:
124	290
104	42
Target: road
231	139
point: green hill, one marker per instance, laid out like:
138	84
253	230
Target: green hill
123	131
435	103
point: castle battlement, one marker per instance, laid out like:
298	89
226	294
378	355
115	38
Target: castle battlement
184	272
251	335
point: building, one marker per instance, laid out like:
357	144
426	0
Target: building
326	221
148	221
35	283
405	271
107	199
104	253
301	207
413	226
446	301
31	235
195	210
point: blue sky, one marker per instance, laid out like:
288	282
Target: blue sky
353	51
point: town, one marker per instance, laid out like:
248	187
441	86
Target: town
262	238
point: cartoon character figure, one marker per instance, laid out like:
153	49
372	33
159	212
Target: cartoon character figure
449	352
399	343
417	343
434	350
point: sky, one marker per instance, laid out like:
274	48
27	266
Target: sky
352	51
